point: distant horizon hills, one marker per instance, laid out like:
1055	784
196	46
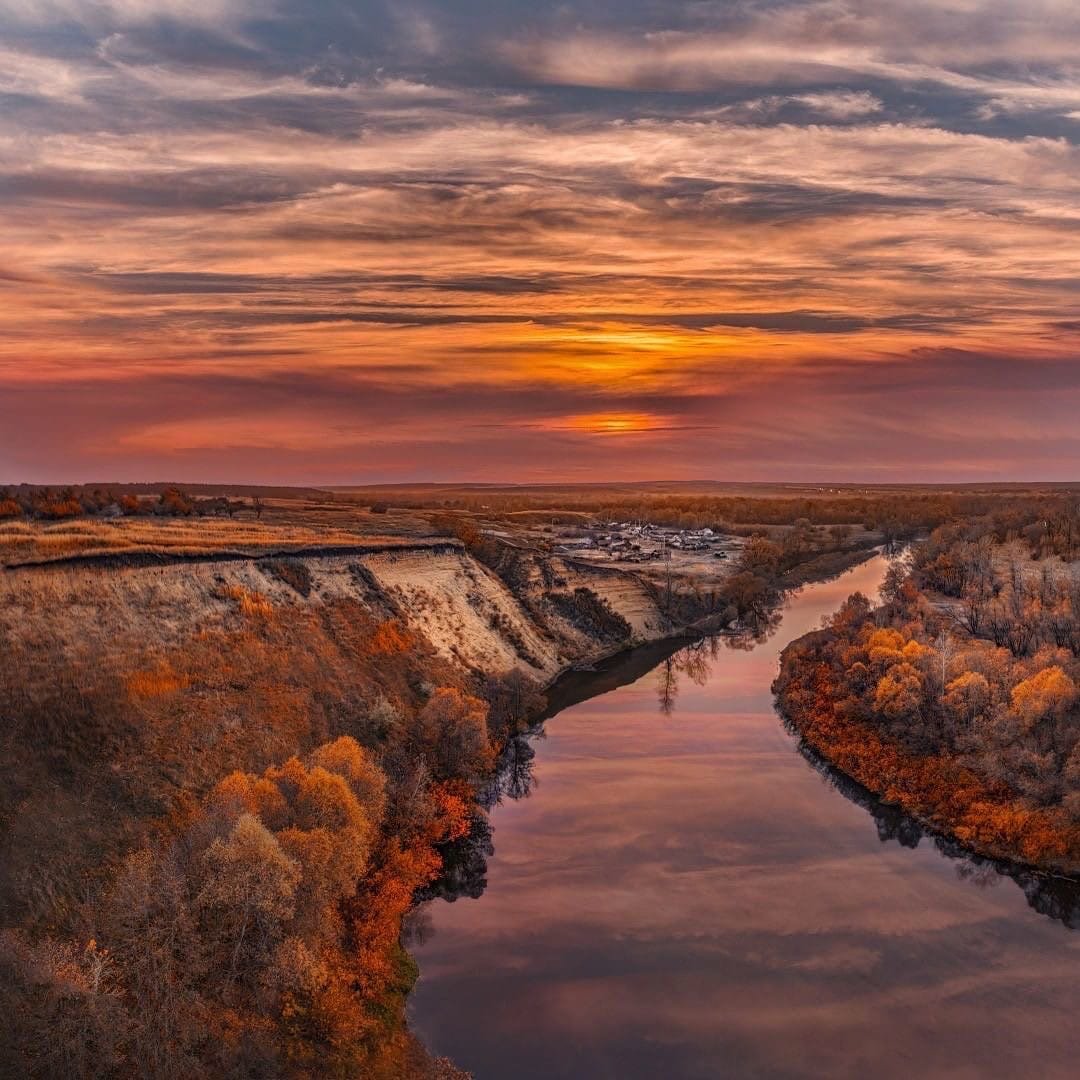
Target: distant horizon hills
683	487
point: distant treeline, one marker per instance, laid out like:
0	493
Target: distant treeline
897	515
65	503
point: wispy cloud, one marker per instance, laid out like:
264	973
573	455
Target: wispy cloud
370	236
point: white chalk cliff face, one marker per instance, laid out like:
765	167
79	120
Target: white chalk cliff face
468	614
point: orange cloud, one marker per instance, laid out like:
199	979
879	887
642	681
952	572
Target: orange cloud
228	242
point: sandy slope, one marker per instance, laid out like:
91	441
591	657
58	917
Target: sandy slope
465	611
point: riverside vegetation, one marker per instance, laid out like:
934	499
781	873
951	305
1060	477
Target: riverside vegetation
957	699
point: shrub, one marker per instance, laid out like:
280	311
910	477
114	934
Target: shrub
176	503
251	603
60	510
155	682
591	613
391	638
453	732
514	700
292	572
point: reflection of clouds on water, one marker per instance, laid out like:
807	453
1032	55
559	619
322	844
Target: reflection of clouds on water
695	661
755	631
1056	897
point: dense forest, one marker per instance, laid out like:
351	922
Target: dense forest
959	697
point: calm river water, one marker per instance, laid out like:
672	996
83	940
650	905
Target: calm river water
683	894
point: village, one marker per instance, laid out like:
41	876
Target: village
628	543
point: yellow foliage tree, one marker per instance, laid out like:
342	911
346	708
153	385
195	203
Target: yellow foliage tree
1048	694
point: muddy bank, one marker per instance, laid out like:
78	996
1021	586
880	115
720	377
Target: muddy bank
827	566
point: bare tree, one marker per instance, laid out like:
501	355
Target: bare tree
945	654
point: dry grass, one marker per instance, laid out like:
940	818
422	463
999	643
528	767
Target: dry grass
250	602
155	682
24	542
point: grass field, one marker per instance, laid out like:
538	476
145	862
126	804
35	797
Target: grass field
22	542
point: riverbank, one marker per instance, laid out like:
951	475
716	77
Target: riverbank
1054	895
625	663
156	698
941	793
827	566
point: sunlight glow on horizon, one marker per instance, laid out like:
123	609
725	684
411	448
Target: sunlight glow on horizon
608	423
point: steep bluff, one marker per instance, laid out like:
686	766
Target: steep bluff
468	614
126	685
311	730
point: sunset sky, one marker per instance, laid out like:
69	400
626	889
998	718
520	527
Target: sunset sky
347	241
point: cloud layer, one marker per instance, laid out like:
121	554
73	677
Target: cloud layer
376	241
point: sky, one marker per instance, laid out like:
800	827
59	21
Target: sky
346	242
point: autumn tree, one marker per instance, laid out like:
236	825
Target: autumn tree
899	693
1042	704
176	503
452	728
514	700
761	556
966	698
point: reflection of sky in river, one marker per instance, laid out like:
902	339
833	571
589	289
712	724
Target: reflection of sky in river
684	896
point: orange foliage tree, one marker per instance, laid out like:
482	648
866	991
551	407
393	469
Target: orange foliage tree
262	940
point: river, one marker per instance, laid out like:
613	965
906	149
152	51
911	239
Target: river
683	894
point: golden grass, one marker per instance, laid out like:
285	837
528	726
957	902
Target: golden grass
25	542
251	602
155	682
